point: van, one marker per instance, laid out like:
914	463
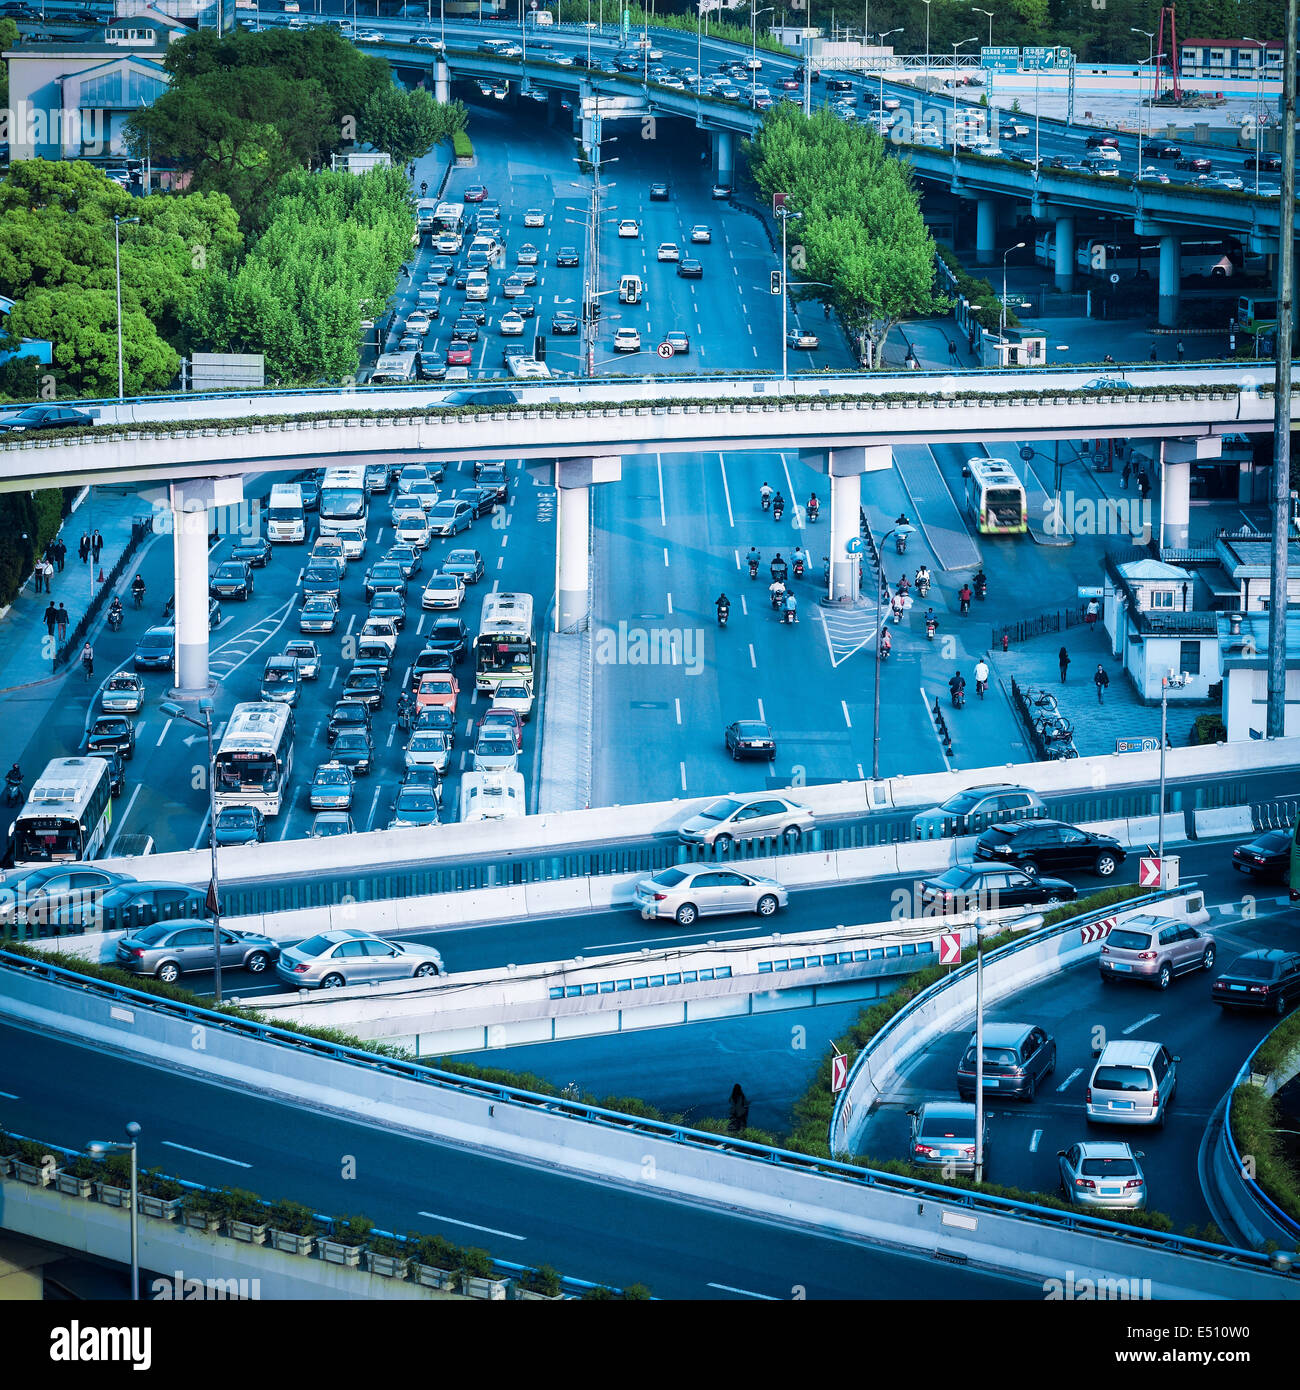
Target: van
629	289
430	300
281	680
476	285
284	515
1132	1083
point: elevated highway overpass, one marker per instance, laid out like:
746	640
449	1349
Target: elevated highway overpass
842	425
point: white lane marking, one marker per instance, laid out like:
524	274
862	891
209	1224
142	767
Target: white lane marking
203	1153
163	735
1035	1140
659	468
284	829
121	820
753	660
1077	1072
862	776
334	675
665	557
469	1225
744	607
678	704
683	768
1142	1022
374	806
762	718
745	1293
501	559
202	837
844	705
726	492
670	605
7	1095
351	622
925	700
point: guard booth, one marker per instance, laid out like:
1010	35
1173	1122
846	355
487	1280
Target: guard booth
1013	349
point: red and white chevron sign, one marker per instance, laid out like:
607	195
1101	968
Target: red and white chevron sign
950	948
1094	931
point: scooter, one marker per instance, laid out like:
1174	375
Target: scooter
981	587
897	609
138	596
900	543
778	510
723	613
778	595
788	615
814	508
767	500
965	605
798	569
13	793
958	698
923	587
931	627
885	648
115	620
753	569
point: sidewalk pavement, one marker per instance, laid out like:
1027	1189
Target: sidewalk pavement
25	649
1096	726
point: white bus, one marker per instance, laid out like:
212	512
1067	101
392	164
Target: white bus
491	796
255	758
67	815
504	648
995	497
449	217
396	369
284	515
344	500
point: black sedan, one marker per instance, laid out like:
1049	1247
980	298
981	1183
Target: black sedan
1268	163
240	825
465	329
750	738
690	270
355	748
1165	151
252	550
1195	164
985	888
450	635
471	309
1052	845
1260	980
566	256
44	417
346	714
111	733
364	685
482	500
564	322
658	192
1268	855
234	579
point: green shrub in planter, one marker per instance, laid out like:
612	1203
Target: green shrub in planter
544	1280
238	1204
352	1230
153	1183
636	1293
1209	728
476	1263
435	1251
29	1151
83	1166
599	1294
293	1218
393	1246
115	1170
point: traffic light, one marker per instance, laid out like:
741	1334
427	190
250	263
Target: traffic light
777	278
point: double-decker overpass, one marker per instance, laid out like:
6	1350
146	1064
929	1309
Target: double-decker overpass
843	426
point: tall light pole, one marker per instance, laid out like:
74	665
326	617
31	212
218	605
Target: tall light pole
960	43
785	214
1176	681
975	9
174	711
903	530
101	1148
753	50
1002	322
926	3
1151	59
117	260
883	37
1260	46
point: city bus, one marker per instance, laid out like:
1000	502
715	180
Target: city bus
255	757
343	500
504	648
1255	312
67	815
995	497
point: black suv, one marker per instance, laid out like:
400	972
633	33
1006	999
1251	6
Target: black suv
1260	980
452	636
1052	846
658	192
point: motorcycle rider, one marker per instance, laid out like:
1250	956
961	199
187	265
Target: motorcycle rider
799	560
779	568
923	580
903	584
957	685
115	613
723	604
965	596
14	783
896	606
814	506
766	493
886	642
754	557
931	623
791	608
981	585
137	590
981	677
776	589
404	710
778	506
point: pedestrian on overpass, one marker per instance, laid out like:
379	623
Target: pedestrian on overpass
1101	680
1180	349
1063	661
63	623
1153	352
1124	476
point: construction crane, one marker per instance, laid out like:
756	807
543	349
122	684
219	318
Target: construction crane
1175	94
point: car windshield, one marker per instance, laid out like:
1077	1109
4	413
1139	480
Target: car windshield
332	775
512	692
278	675
332	825
721	810
1108	1168
122	682
237	816
351	742
321	574
416	799
963	802
947	1127
429	741
1251	968
495	748
1128	940
1121	1079
230	572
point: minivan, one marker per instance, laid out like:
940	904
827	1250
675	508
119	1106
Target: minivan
476	285
1153	950
1017	1057
1132	1083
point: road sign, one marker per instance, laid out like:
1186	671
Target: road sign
1094	931
839	1072
1041	58
779	201
1114	278
1000	59
856	546
1027	452
950	948
1150	872
665	350
1137	745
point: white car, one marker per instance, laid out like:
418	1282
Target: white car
426	41
534	217
429	748
701	235
382	630
443	591
627	340
124	693
527	254
629	227
491	795
511	325
516	696
668	252
370	36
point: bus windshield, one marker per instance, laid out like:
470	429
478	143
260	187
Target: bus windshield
504	654
238	772
343	506
46	837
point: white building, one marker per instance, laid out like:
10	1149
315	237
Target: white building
1150	614
1245	677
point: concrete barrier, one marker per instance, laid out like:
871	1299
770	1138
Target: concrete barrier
1223	820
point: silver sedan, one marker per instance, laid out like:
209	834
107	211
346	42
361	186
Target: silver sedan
348	956
754	817
685	892
124	693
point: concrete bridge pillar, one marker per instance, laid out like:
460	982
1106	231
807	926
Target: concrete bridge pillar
442	84
1176	459
573	480
1170	279
723	156
1065	253
845	468
986	231
190	501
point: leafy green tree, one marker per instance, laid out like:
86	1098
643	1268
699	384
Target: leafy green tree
407	124
8	40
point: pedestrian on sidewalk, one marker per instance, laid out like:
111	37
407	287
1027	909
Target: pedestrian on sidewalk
1124	476
60	553
1180	349
952	351
51	617
38	576
49	576
1006	639
96	545
1153	352
63	623
83	547
88	661
1101	680
826	310
1063	661
1144	483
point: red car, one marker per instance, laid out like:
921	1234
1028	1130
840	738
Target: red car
459	354
475	193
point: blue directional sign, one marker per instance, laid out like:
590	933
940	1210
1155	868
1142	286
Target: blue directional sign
855	546
1000	59
1136	745
1037	58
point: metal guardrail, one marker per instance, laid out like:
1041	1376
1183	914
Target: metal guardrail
431	879
1240	1167
679	1134
1276	815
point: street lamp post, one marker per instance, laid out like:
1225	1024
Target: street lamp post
1176	681
1259	106
785	214
1002	322
174	711
903	530
960	43
926	3
975	9
101	1148
117	261
883	37
1151	58
753	51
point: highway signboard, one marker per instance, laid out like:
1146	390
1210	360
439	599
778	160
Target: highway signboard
1000	59
1043	58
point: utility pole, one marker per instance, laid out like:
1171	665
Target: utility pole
1277	608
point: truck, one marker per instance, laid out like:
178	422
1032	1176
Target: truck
396	369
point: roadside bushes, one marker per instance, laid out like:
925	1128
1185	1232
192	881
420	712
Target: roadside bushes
974	291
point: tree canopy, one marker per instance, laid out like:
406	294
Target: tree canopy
408	123
860	232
